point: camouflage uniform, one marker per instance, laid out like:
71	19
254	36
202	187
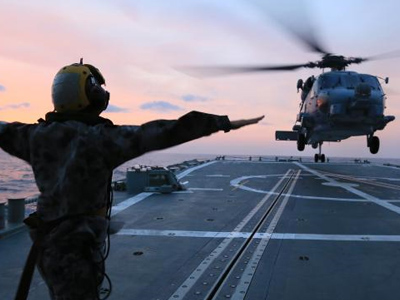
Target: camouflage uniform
72	161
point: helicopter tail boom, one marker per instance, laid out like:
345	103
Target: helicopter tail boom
281	135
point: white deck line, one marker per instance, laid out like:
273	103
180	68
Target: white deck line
206	189
128	202
352	190
188	171
236	183
336	237
273	236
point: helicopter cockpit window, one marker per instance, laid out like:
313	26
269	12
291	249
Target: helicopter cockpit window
330	81
351	81
371	81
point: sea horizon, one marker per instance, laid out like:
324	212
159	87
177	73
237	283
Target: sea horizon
17	179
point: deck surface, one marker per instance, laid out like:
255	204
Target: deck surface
250	230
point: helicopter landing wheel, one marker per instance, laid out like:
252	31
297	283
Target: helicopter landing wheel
319	157
373	144
301	142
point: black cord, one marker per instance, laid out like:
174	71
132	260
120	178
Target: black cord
107	245
108	217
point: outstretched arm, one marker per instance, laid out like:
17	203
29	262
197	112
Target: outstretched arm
161	134
14	139
244	122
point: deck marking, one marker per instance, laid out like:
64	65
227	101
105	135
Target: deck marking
273	236
188	171
128	202
240	184
337	237
185	287
236	183
340	184
359	193
252	264
183	233
365	180
137	198
206	189
183	192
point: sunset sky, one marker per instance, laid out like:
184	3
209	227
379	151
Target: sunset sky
138	46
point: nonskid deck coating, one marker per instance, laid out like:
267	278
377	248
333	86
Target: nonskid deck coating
337	237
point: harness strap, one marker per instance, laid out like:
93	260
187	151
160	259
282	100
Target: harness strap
33	222
27	274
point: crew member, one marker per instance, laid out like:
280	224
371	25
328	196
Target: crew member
73	152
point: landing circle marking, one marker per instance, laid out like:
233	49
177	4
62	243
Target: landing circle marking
240	182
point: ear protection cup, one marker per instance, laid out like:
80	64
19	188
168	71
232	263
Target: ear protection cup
96	73
97	95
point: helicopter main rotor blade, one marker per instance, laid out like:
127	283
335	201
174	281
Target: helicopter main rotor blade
386	55
294	17
213	71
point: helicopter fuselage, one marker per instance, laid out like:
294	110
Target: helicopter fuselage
337	105
341	104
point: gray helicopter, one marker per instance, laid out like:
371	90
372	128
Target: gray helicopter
335	105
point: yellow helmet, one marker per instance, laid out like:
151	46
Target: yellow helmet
78	87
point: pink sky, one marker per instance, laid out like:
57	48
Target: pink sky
137	44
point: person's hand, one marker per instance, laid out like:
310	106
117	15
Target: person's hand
240	123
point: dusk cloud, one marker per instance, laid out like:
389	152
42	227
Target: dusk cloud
116	109
15	106
2	88
194	98
160	106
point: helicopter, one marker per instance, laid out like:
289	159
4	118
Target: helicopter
337	105
334	105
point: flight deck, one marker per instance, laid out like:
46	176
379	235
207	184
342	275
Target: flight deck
250	230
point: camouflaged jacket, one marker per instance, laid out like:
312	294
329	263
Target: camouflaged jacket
72	161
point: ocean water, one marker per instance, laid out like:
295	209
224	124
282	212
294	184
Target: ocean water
17	180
